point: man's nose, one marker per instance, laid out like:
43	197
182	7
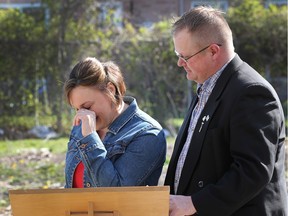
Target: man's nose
180	62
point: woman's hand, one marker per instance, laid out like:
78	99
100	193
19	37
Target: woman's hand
88	119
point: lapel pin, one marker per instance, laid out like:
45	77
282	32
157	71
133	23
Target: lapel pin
204	119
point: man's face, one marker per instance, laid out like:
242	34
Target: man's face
196	62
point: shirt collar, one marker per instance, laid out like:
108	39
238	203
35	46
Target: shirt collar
209	84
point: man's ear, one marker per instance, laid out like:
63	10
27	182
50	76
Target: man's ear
214	49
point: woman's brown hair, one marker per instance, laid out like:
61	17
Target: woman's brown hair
91	72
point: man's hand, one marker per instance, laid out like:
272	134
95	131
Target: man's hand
88	120
181	205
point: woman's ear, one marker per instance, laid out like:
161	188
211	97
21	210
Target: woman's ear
111	88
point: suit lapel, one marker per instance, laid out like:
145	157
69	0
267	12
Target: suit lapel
196	145
202	125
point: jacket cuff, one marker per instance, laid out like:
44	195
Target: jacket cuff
90	141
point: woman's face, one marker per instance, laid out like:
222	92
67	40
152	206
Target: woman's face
92	99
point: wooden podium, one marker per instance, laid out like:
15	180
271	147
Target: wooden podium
109	201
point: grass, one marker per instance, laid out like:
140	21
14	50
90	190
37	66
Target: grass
9	147
31	163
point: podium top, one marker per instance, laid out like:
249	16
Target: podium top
96	189
121	201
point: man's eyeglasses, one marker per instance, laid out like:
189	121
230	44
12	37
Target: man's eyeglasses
185	59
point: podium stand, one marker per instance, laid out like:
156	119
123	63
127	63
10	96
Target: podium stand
109	201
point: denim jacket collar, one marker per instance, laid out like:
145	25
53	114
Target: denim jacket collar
124	117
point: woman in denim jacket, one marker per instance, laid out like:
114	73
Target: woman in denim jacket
113	142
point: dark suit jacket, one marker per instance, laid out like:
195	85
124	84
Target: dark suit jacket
235	163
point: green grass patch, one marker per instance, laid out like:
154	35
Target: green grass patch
31	164
8	147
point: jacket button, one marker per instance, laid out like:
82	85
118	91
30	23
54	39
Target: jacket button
200	184
83	146
88	185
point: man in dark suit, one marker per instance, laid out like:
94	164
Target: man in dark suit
228	157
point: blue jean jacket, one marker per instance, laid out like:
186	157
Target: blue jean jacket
131	154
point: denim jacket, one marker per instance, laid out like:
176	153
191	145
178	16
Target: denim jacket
131	154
